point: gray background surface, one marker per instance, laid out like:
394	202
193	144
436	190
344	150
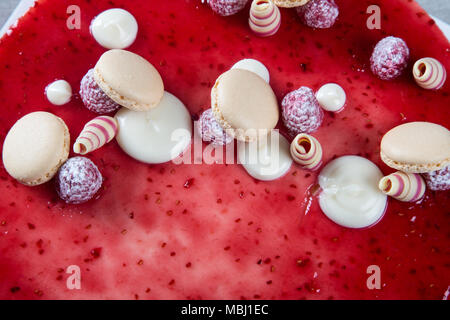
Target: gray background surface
438	8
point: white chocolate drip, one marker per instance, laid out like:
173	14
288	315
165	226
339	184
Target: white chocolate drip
350	195
158	135
267	158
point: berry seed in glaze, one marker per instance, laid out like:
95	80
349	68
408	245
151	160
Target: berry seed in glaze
94	98
78	180
227	7
319	14
389	58
301	112
211	131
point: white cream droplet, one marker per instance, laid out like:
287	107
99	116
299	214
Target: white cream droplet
114	29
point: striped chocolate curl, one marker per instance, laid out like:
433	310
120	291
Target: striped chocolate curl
429	73
96	133
306	151
265	18
406	187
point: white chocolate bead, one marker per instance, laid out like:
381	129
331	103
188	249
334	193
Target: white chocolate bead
254	66
96	133
406	187
306	151
429	73
265	18
59	92
331	97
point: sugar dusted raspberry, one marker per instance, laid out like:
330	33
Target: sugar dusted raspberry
211	131
438	180
389	58
78	180
93	97
320	14
227	7
301	112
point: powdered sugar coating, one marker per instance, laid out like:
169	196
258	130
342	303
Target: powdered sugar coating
438	180
389	58
78	180
227	7
301	112
320	14
93	97
211	131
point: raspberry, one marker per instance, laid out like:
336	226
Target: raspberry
93	97
389	58
320	14
227	7
78	180
301	112
438	180
211	131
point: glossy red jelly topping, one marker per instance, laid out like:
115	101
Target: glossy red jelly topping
212	231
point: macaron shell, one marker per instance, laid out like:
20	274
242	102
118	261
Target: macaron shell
35	147
129	80
290	3
416	147
242	100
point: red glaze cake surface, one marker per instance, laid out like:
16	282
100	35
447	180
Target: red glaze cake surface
211	231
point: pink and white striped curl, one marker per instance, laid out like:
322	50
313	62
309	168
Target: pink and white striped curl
429	73
406	187
96	134
307	151
265	18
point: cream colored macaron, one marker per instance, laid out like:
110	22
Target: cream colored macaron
243	102
416	147
35	147
129	80
290	3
